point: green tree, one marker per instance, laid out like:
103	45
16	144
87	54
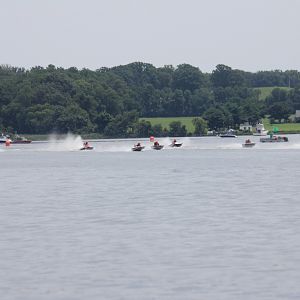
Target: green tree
224	77
177	129
41	118
157	130
279	111
122	125
200	126
74	119
143	128
187	77
215	118
102	120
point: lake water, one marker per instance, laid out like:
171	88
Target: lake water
210	220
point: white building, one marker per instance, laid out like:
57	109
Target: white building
246	127
295	117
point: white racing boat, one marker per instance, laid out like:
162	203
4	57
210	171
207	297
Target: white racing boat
175	144
4	138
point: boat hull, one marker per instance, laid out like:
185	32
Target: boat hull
260	134
21	142
137	149
4	141
176	145
86	148
158	147
228	136
273	139
248	145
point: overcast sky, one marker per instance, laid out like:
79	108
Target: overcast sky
245	34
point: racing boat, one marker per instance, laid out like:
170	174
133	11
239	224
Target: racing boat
248	144
87	148
157	146
20	140
137	147
4	138
175	144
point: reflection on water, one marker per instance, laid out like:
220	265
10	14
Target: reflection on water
211	220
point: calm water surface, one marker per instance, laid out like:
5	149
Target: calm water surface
208	221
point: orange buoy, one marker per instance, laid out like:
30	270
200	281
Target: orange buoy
7	142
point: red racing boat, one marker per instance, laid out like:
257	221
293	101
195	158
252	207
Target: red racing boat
20	140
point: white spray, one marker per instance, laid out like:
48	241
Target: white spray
69	143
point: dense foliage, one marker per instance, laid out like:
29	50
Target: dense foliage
110	101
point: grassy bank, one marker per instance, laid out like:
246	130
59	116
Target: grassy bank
287	128
283	128
266	91
187	121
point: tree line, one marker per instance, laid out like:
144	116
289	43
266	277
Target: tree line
112	101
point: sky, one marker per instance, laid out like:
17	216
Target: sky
251	35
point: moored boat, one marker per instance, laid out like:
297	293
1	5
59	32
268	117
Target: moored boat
228	134
260	130
274	139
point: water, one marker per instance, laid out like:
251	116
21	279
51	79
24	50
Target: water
209	221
